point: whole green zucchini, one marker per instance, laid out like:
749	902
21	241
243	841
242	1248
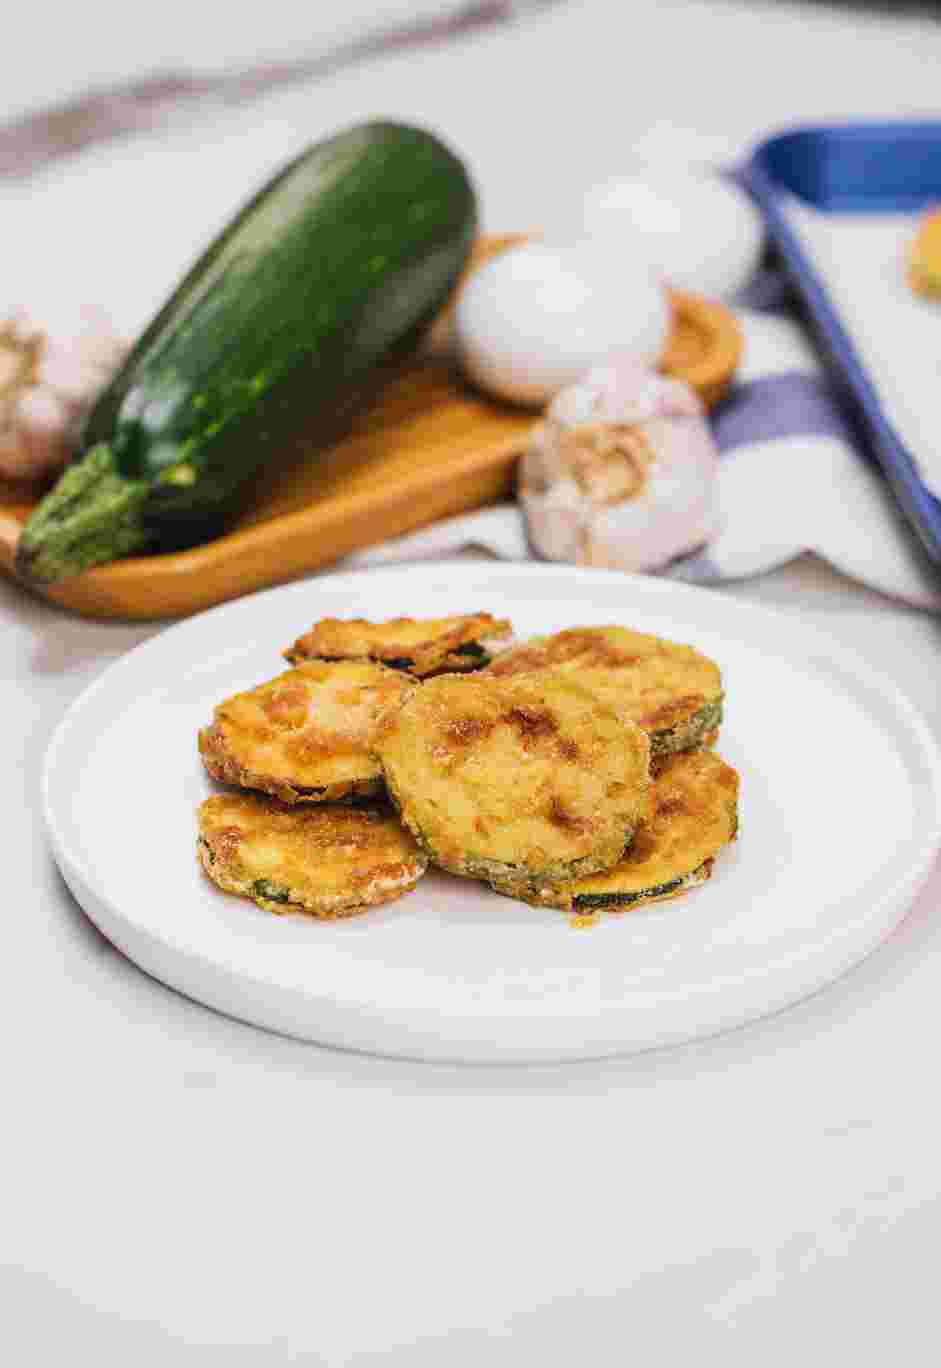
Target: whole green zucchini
329	275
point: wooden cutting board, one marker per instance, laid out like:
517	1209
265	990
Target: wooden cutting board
430	448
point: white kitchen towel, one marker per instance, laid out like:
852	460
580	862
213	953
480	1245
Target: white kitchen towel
792	478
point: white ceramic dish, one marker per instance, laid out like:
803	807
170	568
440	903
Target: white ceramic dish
841	818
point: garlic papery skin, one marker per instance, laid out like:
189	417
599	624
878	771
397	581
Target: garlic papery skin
622	471
48	381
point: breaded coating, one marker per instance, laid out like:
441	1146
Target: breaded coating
327	861
530	776
421	646
306	736
694	813
671	691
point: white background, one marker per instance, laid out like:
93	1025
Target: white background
101	42
179	1189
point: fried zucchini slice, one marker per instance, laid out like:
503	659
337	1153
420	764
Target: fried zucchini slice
672	691
693	814
306	736
422	647
328	861
533	777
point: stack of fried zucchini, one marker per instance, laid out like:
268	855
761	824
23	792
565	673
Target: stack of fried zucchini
573	771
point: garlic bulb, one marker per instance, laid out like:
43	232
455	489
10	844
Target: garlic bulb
47	384
622	472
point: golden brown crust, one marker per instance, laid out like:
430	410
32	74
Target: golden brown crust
423	647
306	736
496	776
670	690
328	861
693	815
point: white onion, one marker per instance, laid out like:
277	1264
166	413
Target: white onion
538	316
703	233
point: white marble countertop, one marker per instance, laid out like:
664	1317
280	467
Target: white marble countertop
180	1189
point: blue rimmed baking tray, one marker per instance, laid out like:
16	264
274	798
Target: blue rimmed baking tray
844	169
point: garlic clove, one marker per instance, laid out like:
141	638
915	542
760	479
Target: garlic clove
47	384
622	472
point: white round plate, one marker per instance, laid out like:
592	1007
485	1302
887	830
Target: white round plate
841	817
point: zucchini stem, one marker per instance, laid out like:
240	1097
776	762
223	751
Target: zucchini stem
92	515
